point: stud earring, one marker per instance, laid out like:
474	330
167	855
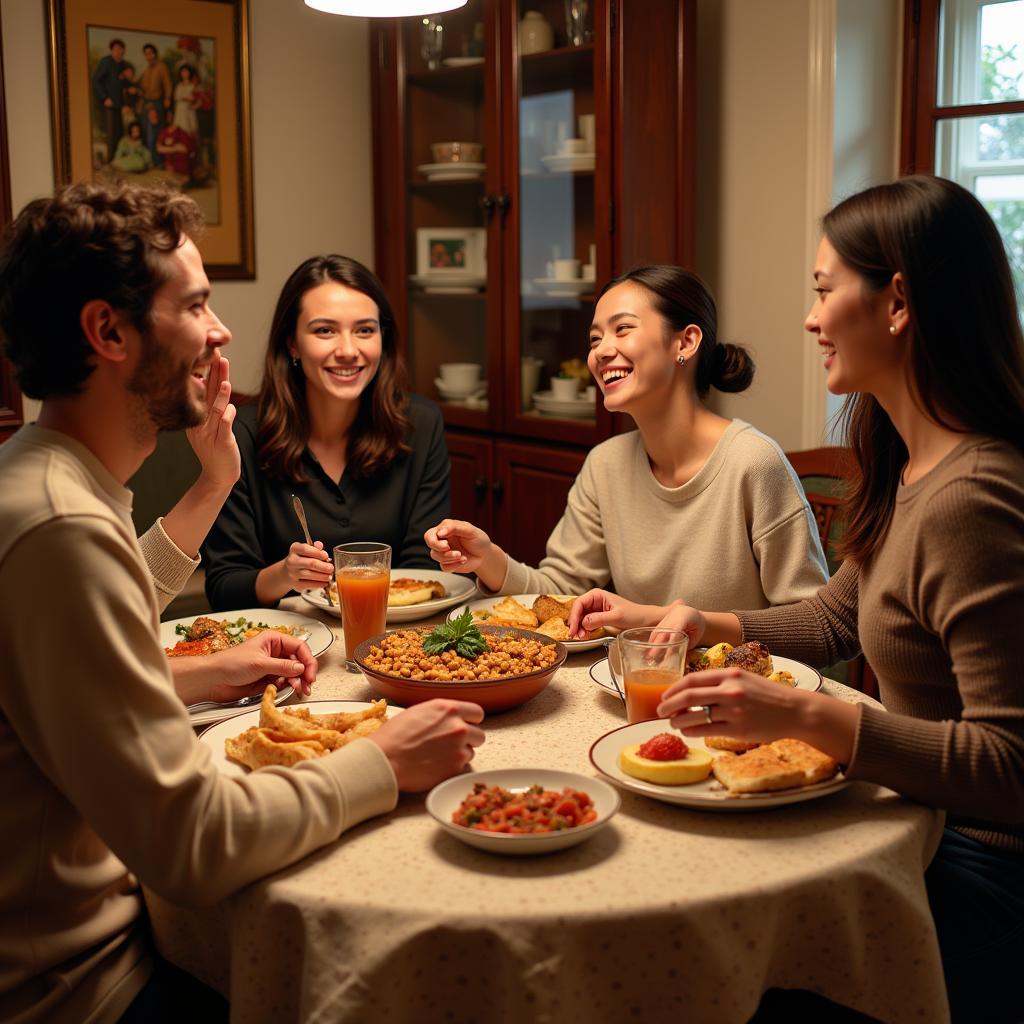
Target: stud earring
295	359
892	328
681	360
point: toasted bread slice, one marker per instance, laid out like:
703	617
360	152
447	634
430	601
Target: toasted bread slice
757	771
554	628
548	607
752	656
728	743
512	611
816	765
404	591
484	618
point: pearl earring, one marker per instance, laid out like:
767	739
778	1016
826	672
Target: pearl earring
681	360
295	359
892	328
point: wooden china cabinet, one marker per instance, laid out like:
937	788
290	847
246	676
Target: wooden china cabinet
587	155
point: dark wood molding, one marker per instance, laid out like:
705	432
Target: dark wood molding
11	412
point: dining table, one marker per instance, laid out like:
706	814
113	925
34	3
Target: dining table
667	914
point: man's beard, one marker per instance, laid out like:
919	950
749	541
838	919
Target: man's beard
161	389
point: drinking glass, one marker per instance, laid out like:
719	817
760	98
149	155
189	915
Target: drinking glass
650	660
577	22
431	41
364	574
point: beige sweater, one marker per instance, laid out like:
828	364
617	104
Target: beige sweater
939	612
740	534
103	774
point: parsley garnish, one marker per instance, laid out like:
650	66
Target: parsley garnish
461	633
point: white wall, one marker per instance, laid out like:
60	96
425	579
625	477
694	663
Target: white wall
311	149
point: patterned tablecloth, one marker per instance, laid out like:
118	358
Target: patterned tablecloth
668	914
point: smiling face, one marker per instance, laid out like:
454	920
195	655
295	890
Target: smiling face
338	341
851	325
168	381
633	350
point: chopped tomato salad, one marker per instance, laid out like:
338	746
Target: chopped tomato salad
494	809
666	746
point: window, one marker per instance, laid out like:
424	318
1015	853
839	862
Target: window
963	106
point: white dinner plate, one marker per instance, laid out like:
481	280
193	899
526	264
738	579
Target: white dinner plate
708	795
807	678
461	62
444	799
572	646
559	162
459	588
215	736
570	287
567	408
318	637
449	283
460	170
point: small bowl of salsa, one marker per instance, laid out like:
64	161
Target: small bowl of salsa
523	811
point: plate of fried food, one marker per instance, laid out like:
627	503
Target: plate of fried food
413	594
206	634
540	613
651	759
752	656
271	735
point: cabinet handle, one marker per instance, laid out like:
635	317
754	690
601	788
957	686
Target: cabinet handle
504	202
498	490
488	202
480	486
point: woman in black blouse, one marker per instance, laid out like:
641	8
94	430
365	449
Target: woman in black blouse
333	423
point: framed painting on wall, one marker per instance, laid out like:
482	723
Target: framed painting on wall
159	94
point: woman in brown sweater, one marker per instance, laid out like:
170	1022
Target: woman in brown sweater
917	321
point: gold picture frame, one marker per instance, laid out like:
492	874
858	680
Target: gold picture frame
160	93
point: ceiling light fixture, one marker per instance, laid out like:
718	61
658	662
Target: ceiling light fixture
385	8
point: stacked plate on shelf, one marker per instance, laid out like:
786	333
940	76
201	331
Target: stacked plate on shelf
572	286
563	162
449	282
458	171
461	62
581	408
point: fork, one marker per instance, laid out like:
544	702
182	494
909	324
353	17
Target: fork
301	513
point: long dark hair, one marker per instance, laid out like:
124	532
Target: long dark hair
966	351
682	299
381	424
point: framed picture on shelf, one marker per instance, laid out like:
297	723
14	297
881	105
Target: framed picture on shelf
159	94
451	252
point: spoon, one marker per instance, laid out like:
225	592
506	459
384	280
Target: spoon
301	513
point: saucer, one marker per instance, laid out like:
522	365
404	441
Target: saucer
570	286
457	394
569	162
459	171
567	408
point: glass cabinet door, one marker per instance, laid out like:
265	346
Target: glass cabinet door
451	157
556	208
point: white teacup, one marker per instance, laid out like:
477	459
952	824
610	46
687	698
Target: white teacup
571	146
565	270
460	376
565	389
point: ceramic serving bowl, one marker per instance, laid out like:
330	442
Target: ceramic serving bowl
457	152
491	695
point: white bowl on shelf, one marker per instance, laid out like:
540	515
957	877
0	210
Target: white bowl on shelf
564	162
458	393
581	408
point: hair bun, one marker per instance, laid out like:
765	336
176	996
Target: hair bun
733	367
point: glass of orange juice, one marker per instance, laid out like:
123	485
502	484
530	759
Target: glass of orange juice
363	569
650	660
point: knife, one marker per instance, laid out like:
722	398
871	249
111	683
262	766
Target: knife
301	513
